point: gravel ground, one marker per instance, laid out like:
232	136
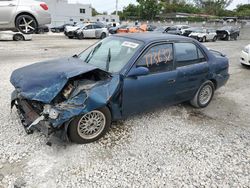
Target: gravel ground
170	147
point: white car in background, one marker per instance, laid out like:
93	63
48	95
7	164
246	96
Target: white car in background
69	30
245	56
204	35
16	36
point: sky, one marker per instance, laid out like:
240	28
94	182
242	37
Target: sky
109	5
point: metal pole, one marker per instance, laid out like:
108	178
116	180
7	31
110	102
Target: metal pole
116	8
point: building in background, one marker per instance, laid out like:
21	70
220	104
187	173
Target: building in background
64	12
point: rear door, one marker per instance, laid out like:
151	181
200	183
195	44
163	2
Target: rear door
157	88
7	11
192	68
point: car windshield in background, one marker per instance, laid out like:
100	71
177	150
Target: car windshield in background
111	54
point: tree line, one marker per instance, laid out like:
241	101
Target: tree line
152	9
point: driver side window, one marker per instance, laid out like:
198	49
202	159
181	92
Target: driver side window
158	58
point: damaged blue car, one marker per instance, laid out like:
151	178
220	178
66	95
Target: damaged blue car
77	98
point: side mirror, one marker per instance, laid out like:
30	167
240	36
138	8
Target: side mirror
139	71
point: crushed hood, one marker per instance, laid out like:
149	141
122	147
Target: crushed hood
43	81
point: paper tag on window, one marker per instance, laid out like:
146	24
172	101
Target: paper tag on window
130	44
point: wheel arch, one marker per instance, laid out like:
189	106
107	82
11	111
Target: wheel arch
214	82
25	13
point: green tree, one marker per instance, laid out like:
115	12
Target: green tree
148	9
243	10
94	12
213	7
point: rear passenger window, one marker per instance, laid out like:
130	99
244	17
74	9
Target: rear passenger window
187	54
158	58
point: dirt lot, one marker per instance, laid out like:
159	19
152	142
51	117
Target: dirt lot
171	147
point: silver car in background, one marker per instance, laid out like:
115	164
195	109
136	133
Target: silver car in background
91	31
23	15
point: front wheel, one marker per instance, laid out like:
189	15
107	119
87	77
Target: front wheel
103	35
90	126
18	37
204	95
215	39
204	39
80	36
26	24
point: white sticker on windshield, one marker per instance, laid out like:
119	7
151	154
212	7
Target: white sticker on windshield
130	44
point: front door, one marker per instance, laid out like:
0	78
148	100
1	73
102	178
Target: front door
145	92
7	11
89	31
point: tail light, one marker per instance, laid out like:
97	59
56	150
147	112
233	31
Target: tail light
44	6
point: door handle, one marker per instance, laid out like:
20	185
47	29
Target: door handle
171	81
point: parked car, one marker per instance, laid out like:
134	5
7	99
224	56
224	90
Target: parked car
188	31
42	30
16	36
113	30
91	31
182	28
60	28
117	77
204	35
168	29
228	33
245	56
69	30
25	16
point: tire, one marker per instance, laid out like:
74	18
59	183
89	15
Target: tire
26	24
200	101
204	39
103	35
77	128
80	36
18	37
70	37
215	39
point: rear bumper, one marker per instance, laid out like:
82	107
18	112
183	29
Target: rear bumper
222	80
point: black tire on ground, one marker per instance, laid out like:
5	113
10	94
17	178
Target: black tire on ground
206	88
215	39
204	39
18	37
70	37
103	35
80	36
26	24
73	129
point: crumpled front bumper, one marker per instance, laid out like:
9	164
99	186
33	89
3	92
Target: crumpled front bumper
32	121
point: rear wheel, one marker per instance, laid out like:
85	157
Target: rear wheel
90	127
26	24
70	37
18	37
204	95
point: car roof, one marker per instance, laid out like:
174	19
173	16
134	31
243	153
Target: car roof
149	37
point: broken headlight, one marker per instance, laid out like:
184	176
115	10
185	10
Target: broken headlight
67	91
51	112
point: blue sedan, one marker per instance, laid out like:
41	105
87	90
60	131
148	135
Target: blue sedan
78	97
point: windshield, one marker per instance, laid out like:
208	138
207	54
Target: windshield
111	54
